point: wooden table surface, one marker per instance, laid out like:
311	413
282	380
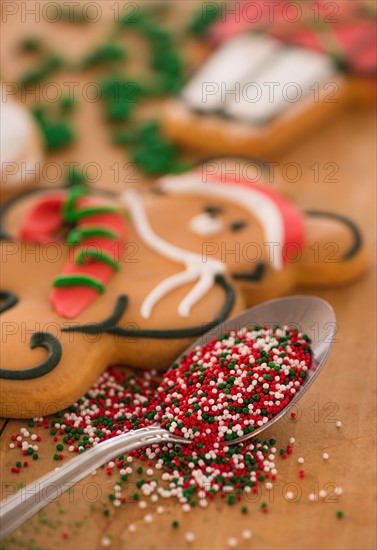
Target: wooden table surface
346	390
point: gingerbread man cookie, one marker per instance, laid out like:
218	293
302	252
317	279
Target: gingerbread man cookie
89	280
20	147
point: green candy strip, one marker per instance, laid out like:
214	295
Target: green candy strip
79	233
91	210
69	213
96	255
74	280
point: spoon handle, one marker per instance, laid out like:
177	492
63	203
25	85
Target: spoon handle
32	498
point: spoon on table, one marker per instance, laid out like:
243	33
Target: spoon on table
310	315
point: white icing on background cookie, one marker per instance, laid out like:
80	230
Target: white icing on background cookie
295	69
15	130
240	76
231	63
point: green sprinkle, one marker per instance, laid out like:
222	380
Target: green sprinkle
35	456
231	499
339	514
244	510
59	447
175	524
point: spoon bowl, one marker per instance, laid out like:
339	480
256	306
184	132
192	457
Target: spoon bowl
310	315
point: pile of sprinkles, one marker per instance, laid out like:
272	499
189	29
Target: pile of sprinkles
218	392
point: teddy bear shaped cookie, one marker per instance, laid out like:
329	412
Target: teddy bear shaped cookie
91	279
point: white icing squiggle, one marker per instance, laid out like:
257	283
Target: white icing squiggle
196	267
256	202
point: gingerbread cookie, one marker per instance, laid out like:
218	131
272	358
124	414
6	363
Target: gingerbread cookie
259	92
89	281
21	147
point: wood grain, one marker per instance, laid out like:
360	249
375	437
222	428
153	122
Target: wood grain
346	390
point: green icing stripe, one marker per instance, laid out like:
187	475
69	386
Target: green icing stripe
91	210
79	233
78	280
69	213
97	255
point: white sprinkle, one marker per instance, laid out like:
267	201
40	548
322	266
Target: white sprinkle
105	541
300	460
149	472
142	504
232	542
94	473
291	440
246	534
325	456
189	536
111	464
289	495
338	490
322	493
11	445
186	507
160	509
148	518
338	424
132	528
312	497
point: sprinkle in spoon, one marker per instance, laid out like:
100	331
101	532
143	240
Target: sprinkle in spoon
310	315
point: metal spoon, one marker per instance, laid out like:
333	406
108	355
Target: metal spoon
312	316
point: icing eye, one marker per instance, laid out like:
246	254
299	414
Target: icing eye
212	210
238	225
205	224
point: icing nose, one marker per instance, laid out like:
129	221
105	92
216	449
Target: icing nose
206	225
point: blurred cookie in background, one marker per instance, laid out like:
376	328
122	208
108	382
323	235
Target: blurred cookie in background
269	82
21	147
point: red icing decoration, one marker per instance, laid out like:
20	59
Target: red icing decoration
71	301
294	229
43	220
